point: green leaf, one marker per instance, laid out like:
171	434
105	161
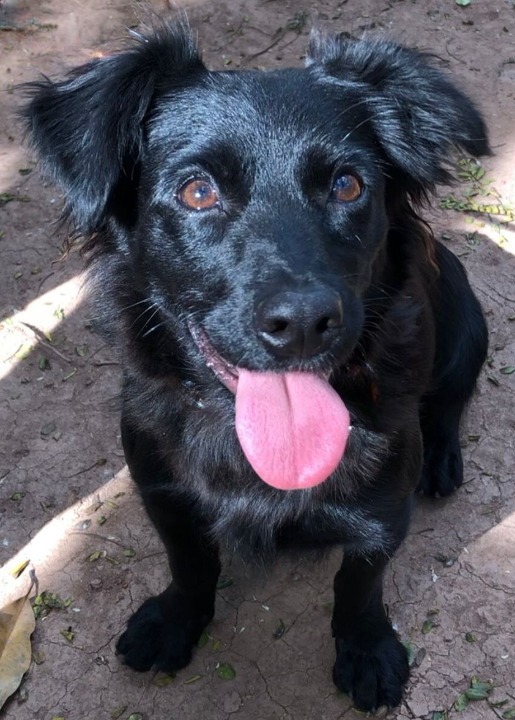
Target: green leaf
427	626
478	684
68	634
164	680
43	363
225	671
95	555
509	714
81	350
461	702
203	640
192	679
508	370
224	582
17	571
279	630
476	694
48	428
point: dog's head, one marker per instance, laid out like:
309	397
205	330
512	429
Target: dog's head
253	211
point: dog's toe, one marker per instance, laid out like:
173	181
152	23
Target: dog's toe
151	641
443	470
373	678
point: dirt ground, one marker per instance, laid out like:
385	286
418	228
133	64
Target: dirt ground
63	486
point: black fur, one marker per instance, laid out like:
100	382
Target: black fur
122	135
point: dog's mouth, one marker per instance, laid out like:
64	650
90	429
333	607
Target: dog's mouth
292	426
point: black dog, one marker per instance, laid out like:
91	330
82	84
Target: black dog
297	348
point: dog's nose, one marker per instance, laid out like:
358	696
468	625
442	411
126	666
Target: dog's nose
299	324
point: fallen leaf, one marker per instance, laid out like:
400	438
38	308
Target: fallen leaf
48	428
480	685
225	671
39	657
476	694
118	712
499	703
224	582
17	571
68	634
192	679
461	702
24	351
164	680
46	601
427	626
203	640
44	363
17	623
279	630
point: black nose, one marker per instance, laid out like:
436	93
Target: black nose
299	324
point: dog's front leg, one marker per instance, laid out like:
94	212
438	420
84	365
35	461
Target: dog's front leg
164	630
371	663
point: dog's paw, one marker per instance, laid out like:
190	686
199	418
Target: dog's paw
374	677
153	641
442	473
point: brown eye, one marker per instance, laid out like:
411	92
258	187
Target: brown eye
346	188
198	194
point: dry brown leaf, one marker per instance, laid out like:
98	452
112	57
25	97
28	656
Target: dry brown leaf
17	624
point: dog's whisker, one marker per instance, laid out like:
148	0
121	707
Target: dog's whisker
134	304
153	329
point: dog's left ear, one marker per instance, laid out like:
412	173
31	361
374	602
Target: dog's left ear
88	129
419	117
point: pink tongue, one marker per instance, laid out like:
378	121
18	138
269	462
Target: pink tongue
293	427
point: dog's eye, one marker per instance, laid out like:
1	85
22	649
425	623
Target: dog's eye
346	188
198	194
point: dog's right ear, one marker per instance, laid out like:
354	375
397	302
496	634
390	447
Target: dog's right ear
88	129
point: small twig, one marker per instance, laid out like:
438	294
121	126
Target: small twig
454	57
39	337
43	281
280	34
97	463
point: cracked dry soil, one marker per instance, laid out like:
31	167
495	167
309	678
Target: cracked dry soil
451	588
